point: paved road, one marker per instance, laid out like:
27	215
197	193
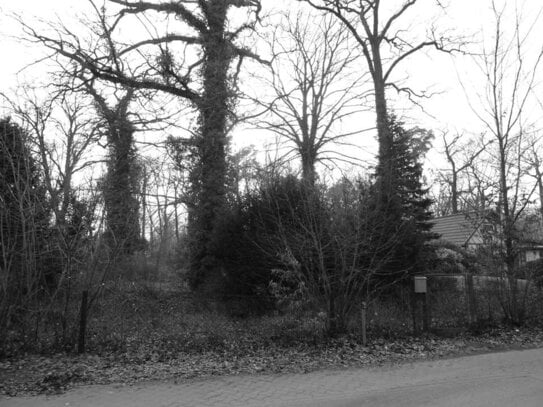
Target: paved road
506	379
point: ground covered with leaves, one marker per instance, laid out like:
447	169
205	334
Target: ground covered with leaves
32	374
142	333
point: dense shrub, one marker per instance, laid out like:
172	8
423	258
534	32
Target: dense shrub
532	271
447	258
243	243
290	244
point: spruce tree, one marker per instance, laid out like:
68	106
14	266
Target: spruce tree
404	211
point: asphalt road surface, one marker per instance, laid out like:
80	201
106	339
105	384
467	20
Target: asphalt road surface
508	379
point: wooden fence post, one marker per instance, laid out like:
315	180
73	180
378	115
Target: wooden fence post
414	312
472	299
364	309
425	313
82	322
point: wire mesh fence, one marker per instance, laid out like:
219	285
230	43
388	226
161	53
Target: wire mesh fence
464	300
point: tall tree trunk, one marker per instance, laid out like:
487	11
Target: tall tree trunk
143	203
308	166
120	195
209	176
121	183
454	191
176	214
507	225
539	176
385	164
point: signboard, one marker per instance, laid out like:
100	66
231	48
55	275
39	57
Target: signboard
420	284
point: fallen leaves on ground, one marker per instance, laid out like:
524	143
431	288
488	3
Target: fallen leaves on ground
35	374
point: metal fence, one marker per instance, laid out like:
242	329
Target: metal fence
463	300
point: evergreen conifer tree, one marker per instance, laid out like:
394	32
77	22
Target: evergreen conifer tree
404	210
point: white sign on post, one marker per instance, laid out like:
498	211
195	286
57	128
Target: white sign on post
420	284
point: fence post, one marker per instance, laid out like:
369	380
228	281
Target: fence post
472	300
414	312
82	322
425	313
420	291
364	338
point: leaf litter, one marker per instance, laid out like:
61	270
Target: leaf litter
161	360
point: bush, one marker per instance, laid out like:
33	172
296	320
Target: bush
242	246
296	246
532	271
447	258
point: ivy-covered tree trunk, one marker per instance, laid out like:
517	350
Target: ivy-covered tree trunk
208	177
121	189
121	184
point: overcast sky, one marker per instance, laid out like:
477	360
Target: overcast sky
436	71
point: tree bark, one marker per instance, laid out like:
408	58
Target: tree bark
209	176
308	167
83	322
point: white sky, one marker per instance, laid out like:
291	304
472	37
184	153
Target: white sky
439	72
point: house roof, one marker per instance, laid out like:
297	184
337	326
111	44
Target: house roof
460	229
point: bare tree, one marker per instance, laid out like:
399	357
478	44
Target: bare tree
481	189
452	149
315	88
385	45
509	73
62	131
330	248
23	216
195	63
534	159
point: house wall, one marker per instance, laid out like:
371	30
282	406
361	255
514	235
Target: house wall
532	255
